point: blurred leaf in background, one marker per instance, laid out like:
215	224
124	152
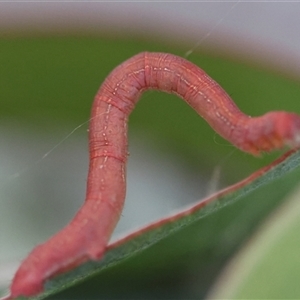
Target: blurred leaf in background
46	89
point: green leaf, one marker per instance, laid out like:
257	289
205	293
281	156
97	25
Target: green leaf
268	265
148	236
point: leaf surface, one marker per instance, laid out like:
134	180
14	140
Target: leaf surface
149	235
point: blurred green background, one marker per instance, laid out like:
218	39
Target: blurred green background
46	89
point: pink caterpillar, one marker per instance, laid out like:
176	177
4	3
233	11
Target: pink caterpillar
87	235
